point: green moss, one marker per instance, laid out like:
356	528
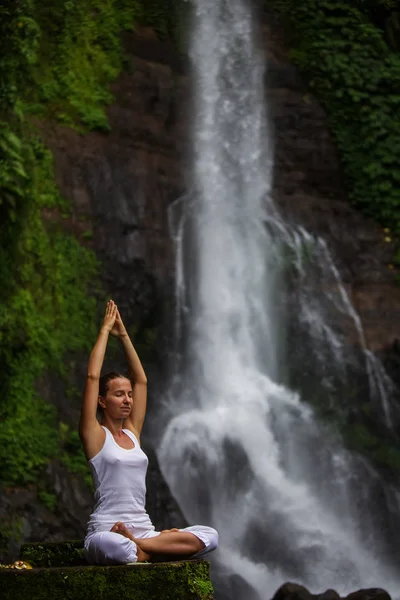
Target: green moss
166	16
381	450
45	274
78	55
202	587
161	581
72	455
67	554
77	51
342	51
53	554
45	313
48	499
10	533
57	59
87	235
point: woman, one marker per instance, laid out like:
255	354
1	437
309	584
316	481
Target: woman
119	529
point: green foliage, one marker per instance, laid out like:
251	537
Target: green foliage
382	452
48	499
54	554
368	5
72	455
45	312
45	309
79	53
342	49
19	38
57	59
12	171
203	588
354	73
87	235
163	15
160	581
11	529
27	438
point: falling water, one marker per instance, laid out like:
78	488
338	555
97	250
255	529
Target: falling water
241	451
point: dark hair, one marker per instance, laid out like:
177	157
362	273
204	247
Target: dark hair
105	379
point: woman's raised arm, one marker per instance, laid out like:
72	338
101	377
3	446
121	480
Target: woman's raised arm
89	427
137	376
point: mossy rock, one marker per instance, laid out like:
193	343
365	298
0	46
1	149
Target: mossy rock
186	580
54	554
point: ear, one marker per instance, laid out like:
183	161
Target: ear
101	402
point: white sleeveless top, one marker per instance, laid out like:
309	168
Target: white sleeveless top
119	478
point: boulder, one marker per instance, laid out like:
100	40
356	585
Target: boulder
60	573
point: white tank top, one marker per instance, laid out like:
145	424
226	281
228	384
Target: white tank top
119	478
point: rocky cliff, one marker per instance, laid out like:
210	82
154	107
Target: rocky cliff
121	185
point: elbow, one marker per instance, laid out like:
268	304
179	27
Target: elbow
93	376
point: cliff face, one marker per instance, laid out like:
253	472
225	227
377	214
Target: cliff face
309	190
121	185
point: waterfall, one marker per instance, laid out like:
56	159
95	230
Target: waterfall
240	449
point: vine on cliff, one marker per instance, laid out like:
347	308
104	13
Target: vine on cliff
342	50
164	15
45	312
57	58
78	55
45	309
356	75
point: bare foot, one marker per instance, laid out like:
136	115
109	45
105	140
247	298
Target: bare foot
122	529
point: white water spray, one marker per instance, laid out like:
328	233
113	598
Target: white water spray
240	451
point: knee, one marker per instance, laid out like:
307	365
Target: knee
107	548
195	543
213	539
208	535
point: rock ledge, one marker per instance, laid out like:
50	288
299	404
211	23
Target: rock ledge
188	580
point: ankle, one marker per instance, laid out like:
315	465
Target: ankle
141	555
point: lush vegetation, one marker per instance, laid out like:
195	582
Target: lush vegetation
348	53
345	49
57	58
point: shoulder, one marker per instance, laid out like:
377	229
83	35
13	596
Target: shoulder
93	440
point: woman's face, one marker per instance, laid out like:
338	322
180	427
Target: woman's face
117	403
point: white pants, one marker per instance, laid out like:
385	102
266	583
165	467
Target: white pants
109	548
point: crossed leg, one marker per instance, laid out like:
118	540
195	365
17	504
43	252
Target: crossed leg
171	543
